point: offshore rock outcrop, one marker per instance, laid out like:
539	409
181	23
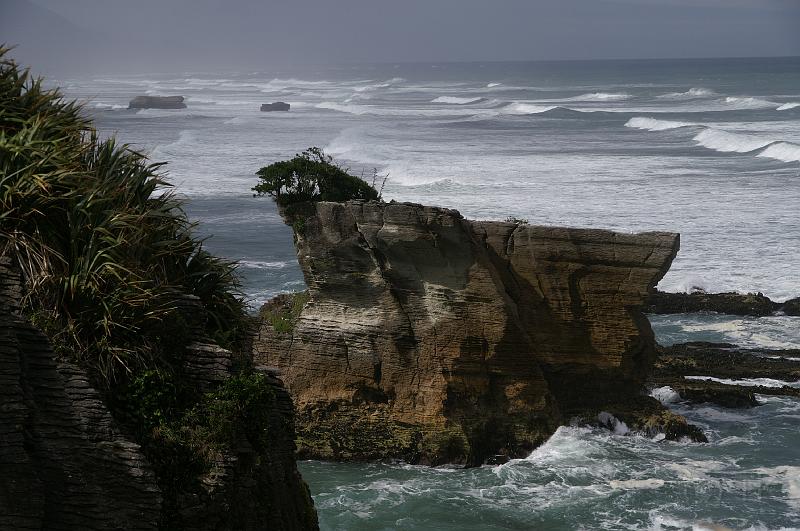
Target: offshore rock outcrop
433	338
276	106
157	102
725	374
752	304
66	464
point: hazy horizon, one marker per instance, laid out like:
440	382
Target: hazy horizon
93	36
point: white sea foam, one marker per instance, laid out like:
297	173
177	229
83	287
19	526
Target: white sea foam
747	102
601	96
786	476
206	101
256	264
665	395
109	106
629	484
783	151
380	85
692	93
613	423
526	108
493	84
764	382
343	107
653	124
726	142
455	100
787	106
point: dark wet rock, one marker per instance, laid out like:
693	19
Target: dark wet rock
791	307
754	304
724	361
276	106
642	415
709	391
157	102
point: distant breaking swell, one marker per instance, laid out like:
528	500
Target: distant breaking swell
724	141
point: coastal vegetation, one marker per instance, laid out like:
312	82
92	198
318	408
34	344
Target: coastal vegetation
311	176
115	277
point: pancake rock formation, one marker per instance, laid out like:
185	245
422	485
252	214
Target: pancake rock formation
157	102
432	338
67	464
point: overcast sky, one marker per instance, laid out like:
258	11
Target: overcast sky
106	35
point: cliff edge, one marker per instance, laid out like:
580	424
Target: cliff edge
66	463
433	338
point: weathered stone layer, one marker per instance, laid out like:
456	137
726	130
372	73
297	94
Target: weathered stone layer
435	338
66	465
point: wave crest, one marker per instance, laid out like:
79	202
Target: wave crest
455	100
783	151
748	102
726	142
692	93
787	106
652	124
527	108
601	96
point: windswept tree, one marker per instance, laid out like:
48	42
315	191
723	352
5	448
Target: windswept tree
311	176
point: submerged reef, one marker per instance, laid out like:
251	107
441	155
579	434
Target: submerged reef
435	339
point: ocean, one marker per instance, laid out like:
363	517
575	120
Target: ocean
708	148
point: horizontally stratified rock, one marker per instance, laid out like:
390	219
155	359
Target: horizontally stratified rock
433	338
64	463
157	102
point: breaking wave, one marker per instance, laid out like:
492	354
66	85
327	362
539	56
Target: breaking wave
455	100
748	103
787	106
783	151
763	382
652	124
527	108
601	96
726	142
692	93
109	106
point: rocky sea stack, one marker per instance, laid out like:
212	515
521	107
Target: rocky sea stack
157	102
277	106
432	338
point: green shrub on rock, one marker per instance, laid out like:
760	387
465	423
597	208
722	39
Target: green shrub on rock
311	176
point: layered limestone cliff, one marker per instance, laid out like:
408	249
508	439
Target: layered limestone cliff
66	464
433	338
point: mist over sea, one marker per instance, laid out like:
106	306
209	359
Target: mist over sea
707	148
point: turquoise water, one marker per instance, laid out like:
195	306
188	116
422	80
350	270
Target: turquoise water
708	148
589	479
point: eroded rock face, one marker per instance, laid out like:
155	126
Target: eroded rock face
66	464
63	463
433	338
